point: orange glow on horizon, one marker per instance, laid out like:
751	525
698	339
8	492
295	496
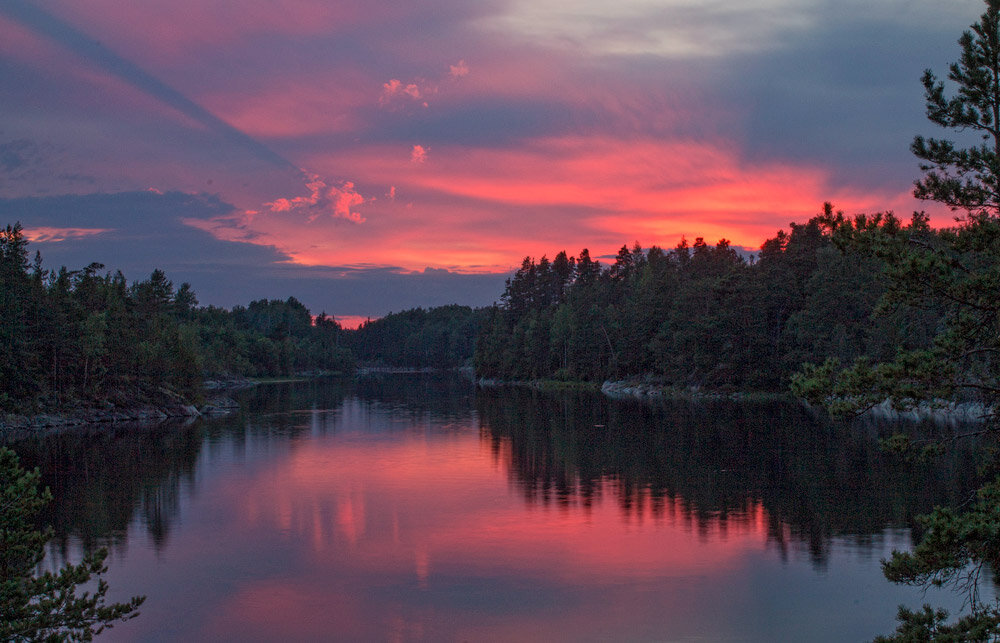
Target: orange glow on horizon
483	210
353	321
51	234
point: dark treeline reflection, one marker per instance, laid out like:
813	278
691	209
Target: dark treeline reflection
717	462
101	477
440	396
446	397
714	463
104	477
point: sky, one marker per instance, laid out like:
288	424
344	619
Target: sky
378	155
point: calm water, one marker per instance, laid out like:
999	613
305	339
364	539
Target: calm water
417	508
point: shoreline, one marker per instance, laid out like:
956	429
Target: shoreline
143	407
940	412
620	389
153	405
624	389
537	385
161	404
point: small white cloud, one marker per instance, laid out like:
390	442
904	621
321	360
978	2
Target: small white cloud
418	154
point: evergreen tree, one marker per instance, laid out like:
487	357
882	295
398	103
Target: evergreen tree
15	301
966	178
955	271
47	606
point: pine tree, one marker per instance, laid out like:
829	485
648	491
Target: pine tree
966	178
956	273
45	607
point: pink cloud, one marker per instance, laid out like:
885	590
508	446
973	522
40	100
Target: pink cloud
48	234
177	36
478	208
330	101
395	93
458	70
323	200
483	209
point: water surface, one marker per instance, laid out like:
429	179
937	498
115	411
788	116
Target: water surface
418	508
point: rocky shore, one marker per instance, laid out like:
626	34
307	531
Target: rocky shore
944	413
639	389
136	406
650	390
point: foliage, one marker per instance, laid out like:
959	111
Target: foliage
440	337
930	625
696	316
956	547
47	606
956	272
76	336
966	178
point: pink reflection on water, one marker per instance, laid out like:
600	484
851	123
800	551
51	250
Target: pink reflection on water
366	526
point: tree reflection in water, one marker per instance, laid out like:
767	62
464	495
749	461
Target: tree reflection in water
717	466
717	463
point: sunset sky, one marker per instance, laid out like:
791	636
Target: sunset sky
373	156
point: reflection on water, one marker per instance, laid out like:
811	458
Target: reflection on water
417	508
717	462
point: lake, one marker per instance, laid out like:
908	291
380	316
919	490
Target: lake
416	507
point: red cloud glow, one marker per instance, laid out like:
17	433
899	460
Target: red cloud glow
418	154
481	210
51	235
353	321
546	146
333	201
458	70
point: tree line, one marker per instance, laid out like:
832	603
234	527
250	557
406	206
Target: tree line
698	316
80	336
695	317
441	337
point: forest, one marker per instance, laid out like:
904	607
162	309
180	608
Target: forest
696	317
699	316
81	337
441	337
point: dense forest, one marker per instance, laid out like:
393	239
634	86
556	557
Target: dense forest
693	317
441	337
699	316
79	336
